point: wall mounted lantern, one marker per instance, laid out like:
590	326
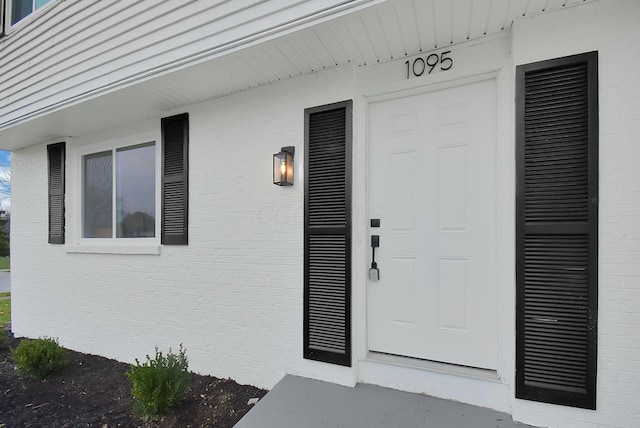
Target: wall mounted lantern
283	166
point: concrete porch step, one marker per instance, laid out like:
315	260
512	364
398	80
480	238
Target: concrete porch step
297	402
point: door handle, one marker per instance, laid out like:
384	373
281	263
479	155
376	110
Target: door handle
374	272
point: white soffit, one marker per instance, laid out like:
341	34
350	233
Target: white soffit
386	31
382	32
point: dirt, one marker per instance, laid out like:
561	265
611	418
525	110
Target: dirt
92	391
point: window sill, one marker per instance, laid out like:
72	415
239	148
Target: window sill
115	249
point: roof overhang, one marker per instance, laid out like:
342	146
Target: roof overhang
358	33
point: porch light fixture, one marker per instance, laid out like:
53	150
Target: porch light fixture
283	166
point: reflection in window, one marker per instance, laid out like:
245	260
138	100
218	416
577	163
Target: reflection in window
22	8
97	199
135	192
119	193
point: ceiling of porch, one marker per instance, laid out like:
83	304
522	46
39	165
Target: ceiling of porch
381	31
388	30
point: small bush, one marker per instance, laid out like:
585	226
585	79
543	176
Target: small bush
36	358
3	335
160	383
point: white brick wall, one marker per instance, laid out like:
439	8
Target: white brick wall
233	296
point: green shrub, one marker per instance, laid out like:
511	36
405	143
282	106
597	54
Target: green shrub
36	358
160	383
3	335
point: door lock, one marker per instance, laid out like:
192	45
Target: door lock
374	272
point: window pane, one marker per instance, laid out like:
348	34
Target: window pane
98	190
136	191
20	9
40	3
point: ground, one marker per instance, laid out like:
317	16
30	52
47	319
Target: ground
92	391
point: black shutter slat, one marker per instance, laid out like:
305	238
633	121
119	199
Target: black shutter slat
556	339
327	319
175	180
556	99
326	295
56	180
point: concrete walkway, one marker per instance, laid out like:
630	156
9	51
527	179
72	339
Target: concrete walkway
297	402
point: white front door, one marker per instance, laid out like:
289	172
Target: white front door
432	185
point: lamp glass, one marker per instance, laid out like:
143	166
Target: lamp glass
283	167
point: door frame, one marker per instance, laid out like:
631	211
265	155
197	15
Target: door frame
442	365
366	364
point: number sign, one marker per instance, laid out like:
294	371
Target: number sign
420	65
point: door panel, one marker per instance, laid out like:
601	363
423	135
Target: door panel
432	184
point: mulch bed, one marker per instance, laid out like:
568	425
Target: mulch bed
92	391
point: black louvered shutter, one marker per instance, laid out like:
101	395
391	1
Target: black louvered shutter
327	245
557	230
175	180
56	160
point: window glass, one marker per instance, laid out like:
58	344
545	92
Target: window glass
119	192
20	9
135	192
97	198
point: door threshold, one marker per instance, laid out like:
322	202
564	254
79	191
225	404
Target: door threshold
433	366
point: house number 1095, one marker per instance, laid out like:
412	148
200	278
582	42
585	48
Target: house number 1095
418	66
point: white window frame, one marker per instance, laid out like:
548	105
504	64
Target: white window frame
114	244
6	12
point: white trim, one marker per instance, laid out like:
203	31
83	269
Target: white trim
386	96
450	80
397	372
10	28
433	87
434	366
112	245
114	249
450	386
